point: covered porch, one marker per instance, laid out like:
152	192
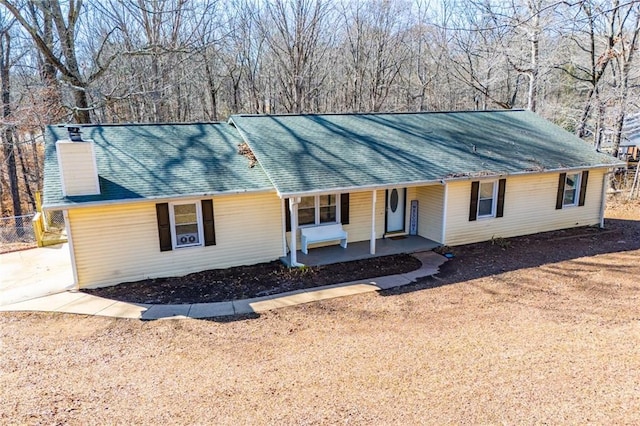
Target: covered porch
361	250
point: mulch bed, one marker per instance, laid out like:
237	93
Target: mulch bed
470	262
218	285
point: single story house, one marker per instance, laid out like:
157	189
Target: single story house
152	200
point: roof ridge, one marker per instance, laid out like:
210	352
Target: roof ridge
312	114
85	125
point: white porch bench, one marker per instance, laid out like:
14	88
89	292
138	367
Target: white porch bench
322	233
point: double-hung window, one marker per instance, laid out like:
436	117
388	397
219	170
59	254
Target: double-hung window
487	199
186	224
572	189
318	209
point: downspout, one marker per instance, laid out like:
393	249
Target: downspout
603	196
293	209
372	241
72	253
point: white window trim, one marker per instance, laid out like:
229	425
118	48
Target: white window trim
317	212
172	222
494	200
576	195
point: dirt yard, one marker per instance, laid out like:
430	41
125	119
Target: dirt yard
521	331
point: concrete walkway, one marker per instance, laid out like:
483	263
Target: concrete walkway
32	273
80	303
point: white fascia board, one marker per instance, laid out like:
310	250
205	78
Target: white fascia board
351	189
47	207
543	172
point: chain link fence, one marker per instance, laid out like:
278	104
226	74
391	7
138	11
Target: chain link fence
17	232
54	221
17	229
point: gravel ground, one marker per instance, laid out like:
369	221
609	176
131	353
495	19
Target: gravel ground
511	332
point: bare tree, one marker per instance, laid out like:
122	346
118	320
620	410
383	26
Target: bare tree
375	50
8	142
66	33
593	35
297	34
476	55
628	19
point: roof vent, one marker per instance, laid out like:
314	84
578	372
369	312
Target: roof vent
74	134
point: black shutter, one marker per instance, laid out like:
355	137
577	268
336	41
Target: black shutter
560	196
164	226
287	216
583	187
344	208
473	206
502	183
208	223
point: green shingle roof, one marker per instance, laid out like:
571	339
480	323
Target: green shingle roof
304	153
307	153
146	161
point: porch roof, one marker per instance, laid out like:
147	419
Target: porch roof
322	152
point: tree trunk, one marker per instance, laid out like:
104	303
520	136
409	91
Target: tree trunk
213	90
81	109
35	159
7	133
10	159
535	57
25	176
48	73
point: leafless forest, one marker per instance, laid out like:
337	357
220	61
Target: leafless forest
574	62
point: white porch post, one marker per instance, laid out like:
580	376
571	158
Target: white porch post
293	209
283	206
443	232
372	241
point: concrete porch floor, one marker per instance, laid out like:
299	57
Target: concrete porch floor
360	250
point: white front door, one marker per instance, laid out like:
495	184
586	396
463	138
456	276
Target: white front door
395	209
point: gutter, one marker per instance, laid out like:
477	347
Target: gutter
72	253
357	188
78	205
438	181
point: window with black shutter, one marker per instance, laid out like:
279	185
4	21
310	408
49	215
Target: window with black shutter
185	224
487	199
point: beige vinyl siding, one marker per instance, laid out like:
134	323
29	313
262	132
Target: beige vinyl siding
78	168
359	227
430	211
529	208
114	244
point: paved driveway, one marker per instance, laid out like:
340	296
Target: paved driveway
28	274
